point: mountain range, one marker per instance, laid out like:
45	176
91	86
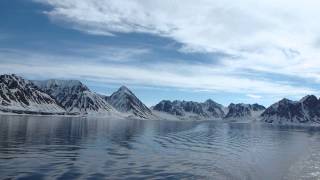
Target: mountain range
207	110
18	95
307	110
72	97
244	111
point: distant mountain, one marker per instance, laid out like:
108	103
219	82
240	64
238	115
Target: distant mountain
189	109
74	96
244	111
71	97
307	110
125	101
18	95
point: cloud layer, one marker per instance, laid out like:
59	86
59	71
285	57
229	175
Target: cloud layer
269	36
256	48
199	77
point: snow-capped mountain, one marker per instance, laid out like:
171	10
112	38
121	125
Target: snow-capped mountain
307	110
244	111
21	96
18	95
126	102
189	109
75	97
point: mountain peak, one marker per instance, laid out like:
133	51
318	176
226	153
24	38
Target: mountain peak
242	110
286	111
124	89
207	110
74	96
20	95
66	83
12	76
285	100
309	98
125	101
210	101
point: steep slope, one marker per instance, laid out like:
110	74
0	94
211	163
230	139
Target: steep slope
74	96
18	95
244	111
190	110
307	110
213	109
125	101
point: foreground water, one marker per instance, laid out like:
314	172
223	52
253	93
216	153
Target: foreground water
69	148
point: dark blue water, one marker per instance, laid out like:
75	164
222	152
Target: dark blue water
71	148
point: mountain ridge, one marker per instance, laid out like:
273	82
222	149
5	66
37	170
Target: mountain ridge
124	100
244	111
285	111
18	95
190	109
74	96
208	110
62	97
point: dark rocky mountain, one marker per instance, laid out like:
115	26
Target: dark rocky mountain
208	110
125	101
307	110
75	97
236	111
18	95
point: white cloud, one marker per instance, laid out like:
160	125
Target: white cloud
254	96
276	36
110	53
173	75
96	53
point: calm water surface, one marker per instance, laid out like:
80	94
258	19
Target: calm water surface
70	148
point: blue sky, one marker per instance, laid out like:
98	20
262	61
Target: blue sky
244	51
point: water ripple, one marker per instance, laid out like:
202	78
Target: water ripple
112	149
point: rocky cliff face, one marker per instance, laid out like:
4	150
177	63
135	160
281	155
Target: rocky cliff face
22	96
237	111
307	110
125	101
75	97
207	110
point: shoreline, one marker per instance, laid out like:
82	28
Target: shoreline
101	116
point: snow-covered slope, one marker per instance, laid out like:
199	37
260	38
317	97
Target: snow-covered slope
306	111
189	110
75	97
244	111
126	102
18	95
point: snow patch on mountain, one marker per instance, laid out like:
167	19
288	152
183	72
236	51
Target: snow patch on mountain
126	102
18	95
75	97
305	111
189	110
243	111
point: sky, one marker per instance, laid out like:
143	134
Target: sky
229	51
